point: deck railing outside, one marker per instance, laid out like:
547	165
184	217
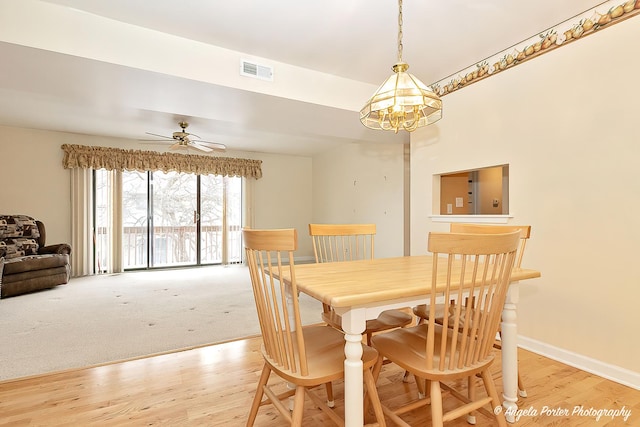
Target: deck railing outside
173	246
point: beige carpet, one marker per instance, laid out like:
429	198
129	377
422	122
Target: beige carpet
99	319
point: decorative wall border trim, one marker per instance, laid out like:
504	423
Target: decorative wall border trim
589	22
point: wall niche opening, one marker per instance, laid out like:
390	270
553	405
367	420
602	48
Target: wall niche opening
483	191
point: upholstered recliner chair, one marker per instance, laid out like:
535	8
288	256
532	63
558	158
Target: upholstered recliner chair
26	263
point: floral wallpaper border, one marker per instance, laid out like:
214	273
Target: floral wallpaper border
602	16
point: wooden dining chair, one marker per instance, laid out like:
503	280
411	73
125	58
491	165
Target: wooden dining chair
349	242
305	357
462	346
422	311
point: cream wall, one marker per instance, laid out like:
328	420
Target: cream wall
566	123
363	183
36	184
282	197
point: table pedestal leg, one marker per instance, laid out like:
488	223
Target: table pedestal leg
353	324
510	353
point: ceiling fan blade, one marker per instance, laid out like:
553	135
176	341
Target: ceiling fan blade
200	147
160	136
212	145
176	146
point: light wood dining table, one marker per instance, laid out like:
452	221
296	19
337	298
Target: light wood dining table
361	290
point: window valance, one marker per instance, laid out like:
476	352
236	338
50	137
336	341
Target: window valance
81	156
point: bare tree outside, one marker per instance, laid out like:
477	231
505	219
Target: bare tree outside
135	205
174	222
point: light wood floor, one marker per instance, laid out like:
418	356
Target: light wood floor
213	386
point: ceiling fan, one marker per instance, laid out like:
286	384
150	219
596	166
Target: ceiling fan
183	139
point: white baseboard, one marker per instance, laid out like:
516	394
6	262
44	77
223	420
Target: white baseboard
587	364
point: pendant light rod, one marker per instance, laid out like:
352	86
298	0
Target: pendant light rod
400	31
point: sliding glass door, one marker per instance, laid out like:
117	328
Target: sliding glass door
170	219
212	218
174	216
221	219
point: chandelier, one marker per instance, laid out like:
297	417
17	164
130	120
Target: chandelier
402	101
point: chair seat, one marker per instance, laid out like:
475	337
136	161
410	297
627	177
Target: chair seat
325	355
422	311
406	348
389	319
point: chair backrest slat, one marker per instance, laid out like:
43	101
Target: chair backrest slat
270	252
477	265
342	242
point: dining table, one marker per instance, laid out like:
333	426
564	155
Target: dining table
361	290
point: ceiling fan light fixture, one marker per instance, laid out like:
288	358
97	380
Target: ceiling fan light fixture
182	140
402	101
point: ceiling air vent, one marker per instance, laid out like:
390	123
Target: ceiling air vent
257	71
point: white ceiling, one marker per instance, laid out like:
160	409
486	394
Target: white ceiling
356	39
